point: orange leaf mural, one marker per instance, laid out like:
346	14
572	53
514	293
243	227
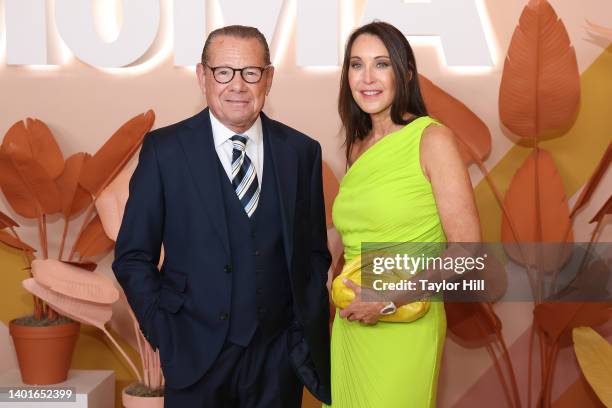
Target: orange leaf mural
13	242
578	394
474	136
108	161
93	241
74	197
6	221
16	192
36	142
557	319
36	180
540	86
539	99
473	324
537	205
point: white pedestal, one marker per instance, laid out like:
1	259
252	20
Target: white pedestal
94	389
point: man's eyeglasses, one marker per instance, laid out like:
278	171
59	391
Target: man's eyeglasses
251	75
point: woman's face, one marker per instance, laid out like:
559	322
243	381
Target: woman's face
370	75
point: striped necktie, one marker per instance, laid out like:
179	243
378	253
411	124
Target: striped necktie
244	176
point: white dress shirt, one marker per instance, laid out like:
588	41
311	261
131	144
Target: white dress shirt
224	146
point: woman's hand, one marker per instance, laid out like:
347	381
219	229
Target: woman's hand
364	312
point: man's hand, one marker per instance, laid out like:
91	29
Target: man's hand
364	312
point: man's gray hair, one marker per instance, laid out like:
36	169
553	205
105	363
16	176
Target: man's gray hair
237	31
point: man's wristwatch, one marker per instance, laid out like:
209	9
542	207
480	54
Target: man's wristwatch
388	309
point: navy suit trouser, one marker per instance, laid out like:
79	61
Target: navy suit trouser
259	375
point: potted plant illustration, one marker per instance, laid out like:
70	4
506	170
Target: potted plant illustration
39	184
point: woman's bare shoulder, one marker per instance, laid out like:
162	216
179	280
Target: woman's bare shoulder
438	140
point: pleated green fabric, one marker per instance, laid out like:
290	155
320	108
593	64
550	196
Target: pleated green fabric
385	197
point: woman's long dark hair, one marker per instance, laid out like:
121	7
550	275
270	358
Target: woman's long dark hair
408	99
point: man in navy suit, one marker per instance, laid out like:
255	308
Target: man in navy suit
239	310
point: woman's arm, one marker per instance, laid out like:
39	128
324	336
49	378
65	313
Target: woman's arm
451	185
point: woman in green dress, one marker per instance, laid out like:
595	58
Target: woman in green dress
406	182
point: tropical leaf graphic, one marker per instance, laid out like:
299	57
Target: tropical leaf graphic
474	136
75	282
74	197
539	210
35	140
540	86
108	161
93	241
594	355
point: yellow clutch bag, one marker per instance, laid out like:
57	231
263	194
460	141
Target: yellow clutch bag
342	296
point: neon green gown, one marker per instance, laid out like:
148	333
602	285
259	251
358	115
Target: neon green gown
384	197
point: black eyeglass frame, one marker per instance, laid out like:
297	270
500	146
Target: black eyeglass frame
241	70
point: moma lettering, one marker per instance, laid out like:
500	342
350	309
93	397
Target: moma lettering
456	23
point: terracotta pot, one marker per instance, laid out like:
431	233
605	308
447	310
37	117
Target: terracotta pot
133	401
44	353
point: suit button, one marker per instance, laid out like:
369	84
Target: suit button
259	291
256	253
227	268
223	316
261	310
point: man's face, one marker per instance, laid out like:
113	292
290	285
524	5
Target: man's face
237	103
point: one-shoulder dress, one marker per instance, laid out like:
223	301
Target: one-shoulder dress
385	197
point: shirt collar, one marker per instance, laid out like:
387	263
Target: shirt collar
221	133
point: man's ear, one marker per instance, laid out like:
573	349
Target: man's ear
269	77
200	73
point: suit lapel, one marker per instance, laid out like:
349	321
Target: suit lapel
199	148
284	160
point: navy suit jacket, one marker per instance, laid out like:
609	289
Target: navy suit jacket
176	200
